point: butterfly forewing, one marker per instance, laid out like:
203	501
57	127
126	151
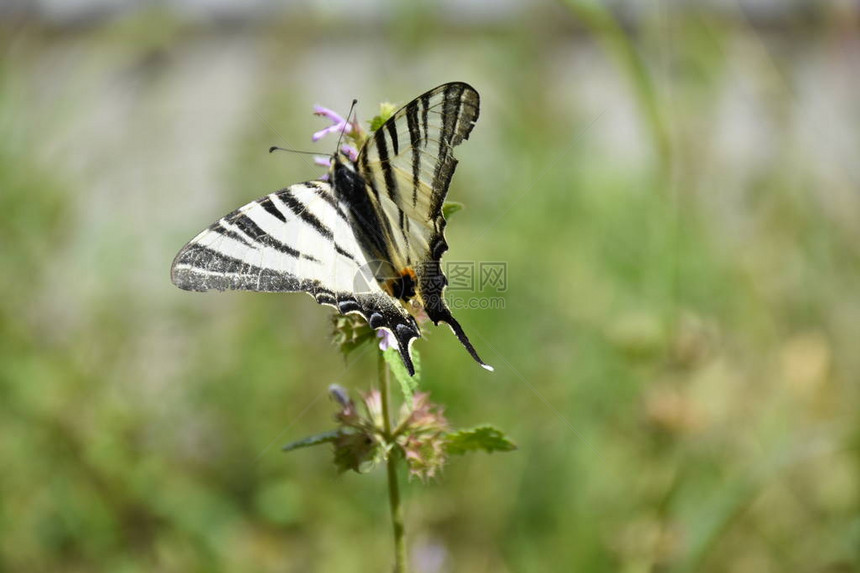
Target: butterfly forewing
267	245
296	240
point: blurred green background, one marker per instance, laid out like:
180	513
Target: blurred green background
674	189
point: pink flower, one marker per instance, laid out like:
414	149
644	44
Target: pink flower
386	339
339	124
350	151
323	162
363	441
422	430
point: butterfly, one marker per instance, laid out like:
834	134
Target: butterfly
368	240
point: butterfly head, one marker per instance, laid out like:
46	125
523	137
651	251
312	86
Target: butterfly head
343	172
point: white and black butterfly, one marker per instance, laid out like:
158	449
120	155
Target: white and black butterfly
368	241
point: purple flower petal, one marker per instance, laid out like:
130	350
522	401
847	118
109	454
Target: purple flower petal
386	339
323	161
339	394
351	151
326	112
336	128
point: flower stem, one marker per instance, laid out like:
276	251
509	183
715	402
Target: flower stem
393	488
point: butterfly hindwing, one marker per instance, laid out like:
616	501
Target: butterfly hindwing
407	165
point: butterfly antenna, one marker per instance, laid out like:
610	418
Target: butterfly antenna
276	148
349	115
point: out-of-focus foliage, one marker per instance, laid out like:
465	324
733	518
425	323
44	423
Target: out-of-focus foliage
676	358
408	384
481	438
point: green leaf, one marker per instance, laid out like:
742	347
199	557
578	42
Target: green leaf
408	384
350	332
386	110
356	451
451	207
348	346
487	438
315	440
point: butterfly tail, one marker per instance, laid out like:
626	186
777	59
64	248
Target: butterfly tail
443	314
405	336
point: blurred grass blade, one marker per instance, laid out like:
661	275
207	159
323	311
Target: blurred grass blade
602	22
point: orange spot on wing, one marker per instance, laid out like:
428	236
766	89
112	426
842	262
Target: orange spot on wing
408	271
402	287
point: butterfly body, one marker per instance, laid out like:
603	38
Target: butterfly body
368	241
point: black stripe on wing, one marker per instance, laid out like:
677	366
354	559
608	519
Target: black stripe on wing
272	209
445	164
425	109
323	192
201	268
387	170
390	179
341	251
231	234
301	211
415	142
262	239
392	133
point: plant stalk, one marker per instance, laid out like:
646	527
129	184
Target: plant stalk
393	487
